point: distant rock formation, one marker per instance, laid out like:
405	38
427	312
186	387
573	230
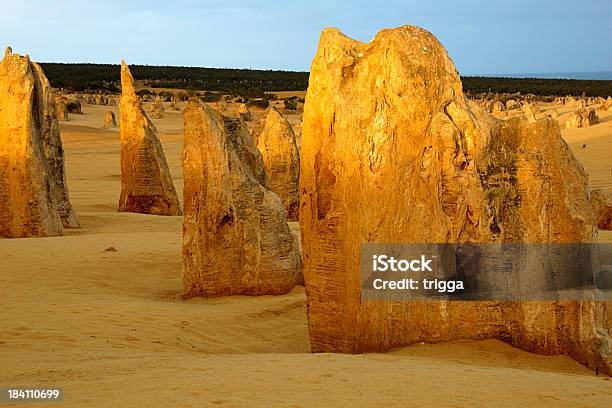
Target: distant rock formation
175	104
156	113
74	106
61	108
158	104
109	120
244	113
236	240
554	114
529	112
582	118
512	104
100	99
601	201
34	196
146	185
498	106
157	108
392	151
495	106
275	140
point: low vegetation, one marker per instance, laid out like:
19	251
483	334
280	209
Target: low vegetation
252	84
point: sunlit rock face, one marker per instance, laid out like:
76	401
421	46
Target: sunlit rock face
582	118
146	185
235	236
109	120
157	108
275	140
244	113
392	151
61	108
34	196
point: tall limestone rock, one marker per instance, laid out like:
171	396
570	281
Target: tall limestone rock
236	240
146	185
393	152
34	197
275	140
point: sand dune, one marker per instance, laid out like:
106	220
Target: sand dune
99	312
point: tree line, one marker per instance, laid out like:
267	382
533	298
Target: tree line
105	77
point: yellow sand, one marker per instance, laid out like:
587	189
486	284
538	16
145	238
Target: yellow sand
112	329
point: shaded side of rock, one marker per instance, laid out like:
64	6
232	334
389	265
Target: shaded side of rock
54	150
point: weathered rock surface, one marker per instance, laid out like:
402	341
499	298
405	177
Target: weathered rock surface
236	240
582	118
513	104
158	105
74	106
146	185
275	139
244	113
601	201
156	113
498	106
554	114
157	108
34	197
392	151
109	120
61	108
54	151
560	100
529	112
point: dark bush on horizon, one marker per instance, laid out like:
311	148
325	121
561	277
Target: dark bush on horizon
290	103
259	103
210	97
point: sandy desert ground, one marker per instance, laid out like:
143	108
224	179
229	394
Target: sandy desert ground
99	312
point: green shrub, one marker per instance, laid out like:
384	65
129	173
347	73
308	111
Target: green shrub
290	103
209	96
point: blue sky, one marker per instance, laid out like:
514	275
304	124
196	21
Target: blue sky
482	37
